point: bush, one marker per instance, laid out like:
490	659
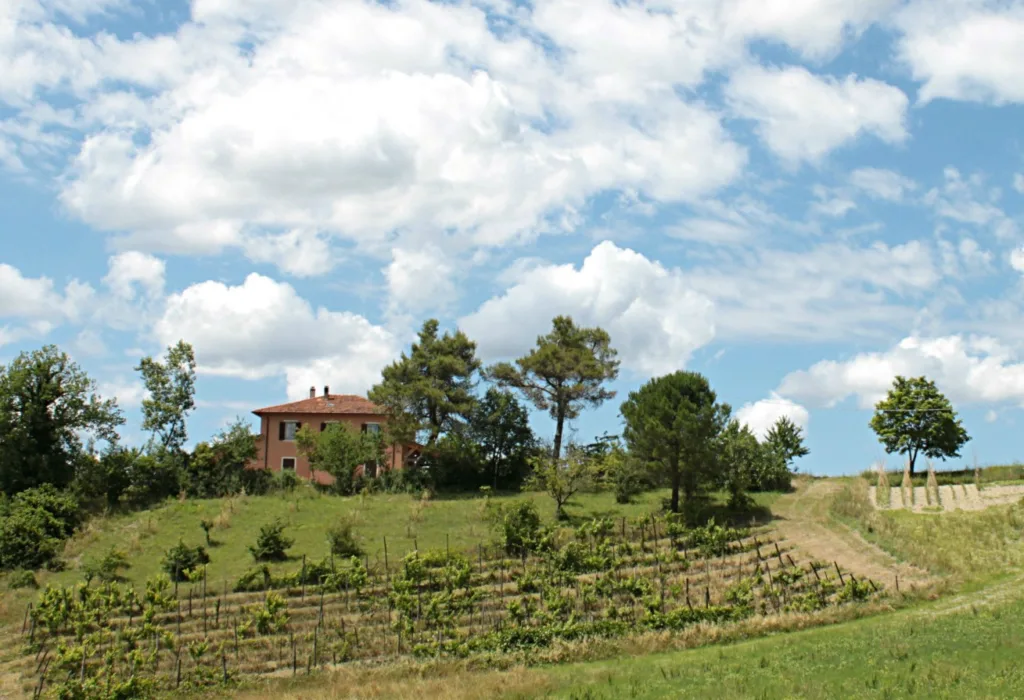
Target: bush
181	558
271	543
520	530
257	482
62	510
26	540
108	568
286	481
22	578
343	540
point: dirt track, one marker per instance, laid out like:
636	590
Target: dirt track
802	518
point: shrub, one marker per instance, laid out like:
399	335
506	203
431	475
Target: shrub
22	578
182	558
257	482
271	543
286	481
26	541
520	529
207	525
62	509
108	568
343	540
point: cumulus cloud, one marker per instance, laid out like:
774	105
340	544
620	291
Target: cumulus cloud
420	279
1017	259
654	318
1018	182
263	328
968	369
802	116
964	49
761	415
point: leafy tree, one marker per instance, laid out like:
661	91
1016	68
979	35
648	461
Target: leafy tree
500	427
181	559
673	422
102	480
430	389
748	465
564	373
154	476
271	544
47	404
916	418
343	540
171	385
218	468
339	450
562	479
34	525
787	439
622	472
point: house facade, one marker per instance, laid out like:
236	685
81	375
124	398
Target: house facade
277	449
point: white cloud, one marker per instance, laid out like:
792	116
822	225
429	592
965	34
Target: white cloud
298	252
1018	182
991	416
881	183
760	416
966	257
968	369
263	328
129	271
37	298
129	393
1017	259
654	318
967	200
833	291
420	280
802	116
964	49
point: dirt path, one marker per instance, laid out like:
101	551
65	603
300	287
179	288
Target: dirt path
803	520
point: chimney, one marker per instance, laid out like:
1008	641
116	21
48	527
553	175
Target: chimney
327	391
312	392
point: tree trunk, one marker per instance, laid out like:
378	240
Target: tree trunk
559	424
913	458
676	482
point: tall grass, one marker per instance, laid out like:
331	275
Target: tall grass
932	487
907	486
981	476
967	545
882	492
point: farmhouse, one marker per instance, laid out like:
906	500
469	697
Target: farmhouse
279	424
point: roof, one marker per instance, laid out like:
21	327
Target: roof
330	404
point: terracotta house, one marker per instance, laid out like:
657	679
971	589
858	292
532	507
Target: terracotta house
279	424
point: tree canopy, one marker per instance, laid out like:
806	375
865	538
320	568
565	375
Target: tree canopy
673	422
915	418
339	450
564	373
500	426
787	439
431	389
47	403
171	385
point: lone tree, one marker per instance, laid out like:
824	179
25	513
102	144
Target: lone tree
171	385
787	439
674	423
47	404
564	373
430	389
916	418
500	426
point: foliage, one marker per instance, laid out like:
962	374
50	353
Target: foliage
271	543
22	578
519	528
47	403
182	559
108	567
102	481
786	438
673	423
343	540
564	373
171	388
218	468
269	618
154	476
339	450
34	525
500	427
562	479
916	418
749	465
621	471
431	389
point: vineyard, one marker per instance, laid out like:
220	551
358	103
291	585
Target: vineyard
607	578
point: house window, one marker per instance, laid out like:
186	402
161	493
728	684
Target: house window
288	464
287	430
373	428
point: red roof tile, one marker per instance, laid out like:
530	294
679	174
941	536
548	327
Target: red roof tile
331	404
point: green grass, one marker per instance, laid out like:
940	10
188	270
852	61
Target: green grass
969	654
404	521
966	545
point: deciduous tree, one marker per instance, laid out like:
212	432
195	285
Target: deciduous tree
171	385
500	427
47	404
673	422
339	450
562	479
566	372
916	418
787	439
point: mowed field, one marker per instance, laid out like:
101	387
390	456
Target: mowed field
947	633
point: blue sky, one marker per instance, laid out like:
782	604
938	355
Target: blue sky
798	199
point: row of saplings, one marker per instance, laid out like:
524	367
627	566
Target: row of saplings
83	652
